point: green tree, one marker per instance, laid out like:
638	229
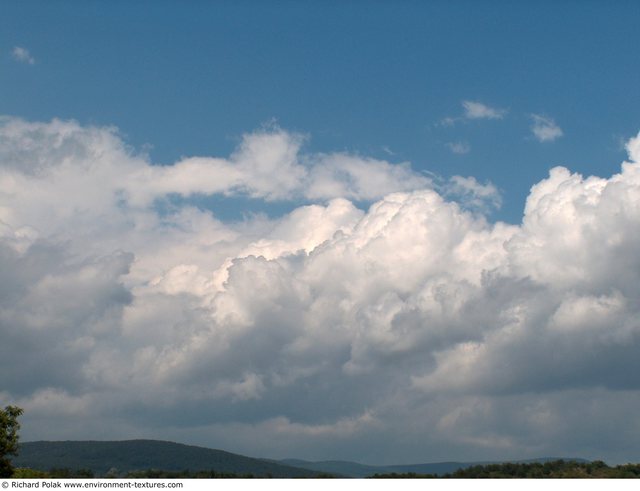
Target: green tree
9	427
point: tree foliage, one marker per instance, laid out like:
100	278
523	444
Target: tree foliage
9	427
557	469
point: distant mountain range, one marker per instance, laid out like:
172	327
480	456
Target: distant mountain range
122	457
353	469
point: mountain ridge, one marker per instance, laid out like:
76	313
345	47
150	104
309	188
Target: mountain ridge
124	456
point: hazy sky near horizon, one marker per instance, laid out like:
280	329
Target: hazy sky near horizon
376	231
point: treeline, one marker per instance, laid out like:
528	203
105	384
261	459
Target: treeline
65	473
556	469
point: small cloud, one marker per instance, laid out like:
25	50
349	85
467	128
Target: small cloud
459	148
477	110
545	129
22	55
449	121
387	150
474	110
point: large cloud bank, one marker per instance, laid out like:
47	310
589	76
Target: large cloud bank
414	330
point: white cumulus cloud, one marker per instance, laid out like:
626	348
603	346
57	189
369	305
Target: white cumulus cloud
325	332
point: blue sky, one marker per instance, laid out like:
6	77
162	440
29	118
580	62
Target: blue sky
378	231
369	78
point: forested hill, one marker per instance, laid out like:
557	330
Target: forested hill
556	469
122	457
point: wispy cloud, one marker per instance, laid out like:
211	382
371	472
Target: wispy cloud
22	55
449	121
478	110
471	194
474	110
545	129
459	148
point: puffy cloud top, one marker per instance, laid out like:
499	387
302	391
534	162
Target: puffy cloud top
633	149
